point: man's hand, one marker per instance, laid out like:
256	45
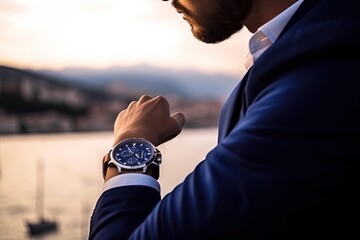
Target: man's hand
148	118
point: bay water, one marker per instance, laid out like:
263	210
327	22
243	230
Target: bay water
73	180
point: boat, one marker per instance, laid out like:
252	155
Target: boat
42	225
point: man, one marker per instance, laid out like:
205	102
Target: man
288	145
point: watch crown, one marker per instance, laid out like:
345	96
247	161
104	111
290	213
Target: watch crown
158	159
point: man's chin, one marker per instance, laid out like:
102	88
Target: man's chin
209	38
202	35
212	36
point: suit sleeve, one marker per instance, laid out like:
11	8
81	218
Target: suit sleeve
283	171
120	210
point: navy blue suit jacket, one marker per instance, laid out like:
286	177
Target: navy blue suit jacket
286	163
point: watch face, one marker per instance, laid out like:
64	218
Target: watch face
133	153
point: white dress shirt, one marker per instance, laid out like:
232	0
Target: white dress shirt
131	179
259	43
268	33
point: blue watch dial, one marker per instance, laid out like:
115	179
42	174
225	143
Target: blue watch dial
133	153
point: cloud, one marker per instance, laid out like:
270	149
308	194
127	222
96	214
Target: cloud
100	33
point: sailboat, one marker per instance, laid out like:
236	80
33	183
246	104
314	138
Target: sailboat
42	225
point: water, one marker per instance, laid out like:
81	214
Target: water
73	180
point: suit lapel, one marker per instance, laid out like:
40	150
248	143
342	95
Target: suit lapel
302	10
235	105
231	110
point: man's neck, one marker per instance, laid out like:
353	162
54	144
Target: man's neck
263	11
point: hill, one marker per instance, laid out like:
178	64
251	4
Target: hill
152	80
89	100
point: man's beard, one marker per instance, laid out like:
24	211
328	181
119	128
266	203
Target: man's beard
219	23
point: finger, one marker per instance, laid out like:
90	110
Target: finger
162	101
180	119
131	104
170	135
144	98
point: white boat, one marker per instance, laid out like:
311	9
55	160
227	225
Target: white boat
42	225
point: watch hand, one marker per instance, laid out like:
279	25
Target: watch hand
129	150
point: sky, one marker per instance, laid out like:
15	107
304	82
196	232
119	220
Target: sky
55	34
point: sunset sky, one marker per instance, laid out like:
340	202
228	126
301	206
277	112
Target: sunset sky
103	33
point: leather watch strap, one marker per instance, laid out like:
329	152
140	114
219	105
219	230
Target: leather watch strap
153	170
105	163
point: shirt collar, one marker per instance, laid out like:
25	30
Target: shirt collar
268	33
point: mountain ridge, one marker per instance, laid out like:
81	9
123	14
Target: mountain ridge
184	83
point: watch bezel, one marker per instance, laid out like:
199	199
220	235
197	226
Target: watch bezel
137	167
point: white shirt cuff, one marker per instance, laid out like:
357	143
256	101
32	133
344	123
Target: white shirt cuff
131	179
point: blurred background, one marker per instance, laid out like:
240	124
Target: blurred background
66	69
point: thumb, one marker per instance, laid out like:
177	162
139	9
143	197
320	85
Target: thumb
180	119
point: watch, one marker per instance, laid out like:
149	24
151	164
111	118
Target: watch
135	155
